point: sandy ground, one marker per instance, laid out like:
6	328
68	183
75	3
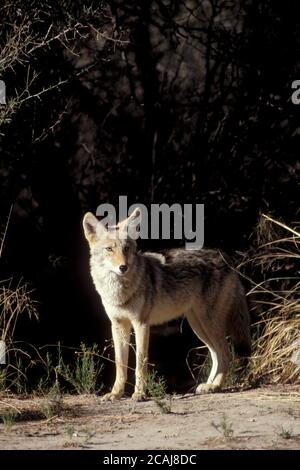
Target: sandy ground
264	418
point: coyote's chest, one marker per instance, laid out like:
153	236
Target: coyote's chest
118	296
111	289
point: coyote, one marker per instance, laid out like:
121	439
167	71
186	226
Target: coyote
143	289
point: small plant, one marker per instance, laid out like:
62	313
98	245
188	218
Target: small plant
53	405
131	406
84	374
48	369
285	433
70	430
156	389
8	418
224	427
19	383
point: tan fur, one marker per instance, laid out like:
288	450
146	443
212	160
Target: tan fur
158	288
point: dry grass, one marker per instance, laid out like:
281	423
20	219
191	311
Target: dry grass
15	300
13	303
276	348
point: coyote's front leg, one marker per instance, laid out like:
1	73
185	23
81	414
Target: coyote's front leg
121	336
142	331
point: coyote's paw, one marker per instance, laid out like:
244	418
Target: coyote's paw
112	396
207	388
138	396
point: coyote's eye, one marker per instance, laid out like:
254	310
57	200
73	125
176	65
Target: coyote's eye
126	249
108	248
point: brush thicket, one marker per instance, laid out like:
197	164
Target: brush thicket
276	333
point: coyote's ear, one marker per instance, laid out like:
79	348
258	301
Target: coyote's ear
132	224
135	216
93	228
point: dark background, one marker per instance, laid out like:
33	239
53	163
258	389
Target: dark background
162	101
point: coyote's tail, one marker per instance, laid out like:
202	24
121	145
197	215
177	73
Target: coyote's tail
240	324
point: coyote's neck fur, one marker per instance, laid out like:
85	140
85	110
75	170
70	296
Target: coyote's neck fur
114	289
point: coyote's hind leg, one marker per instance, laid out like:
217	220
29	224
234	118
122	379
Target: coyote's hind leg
218	349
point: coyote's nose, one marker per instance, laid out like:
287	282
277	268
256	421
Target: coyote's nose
123	268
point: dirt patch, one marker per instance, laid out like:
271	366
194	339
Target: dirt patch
265	418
